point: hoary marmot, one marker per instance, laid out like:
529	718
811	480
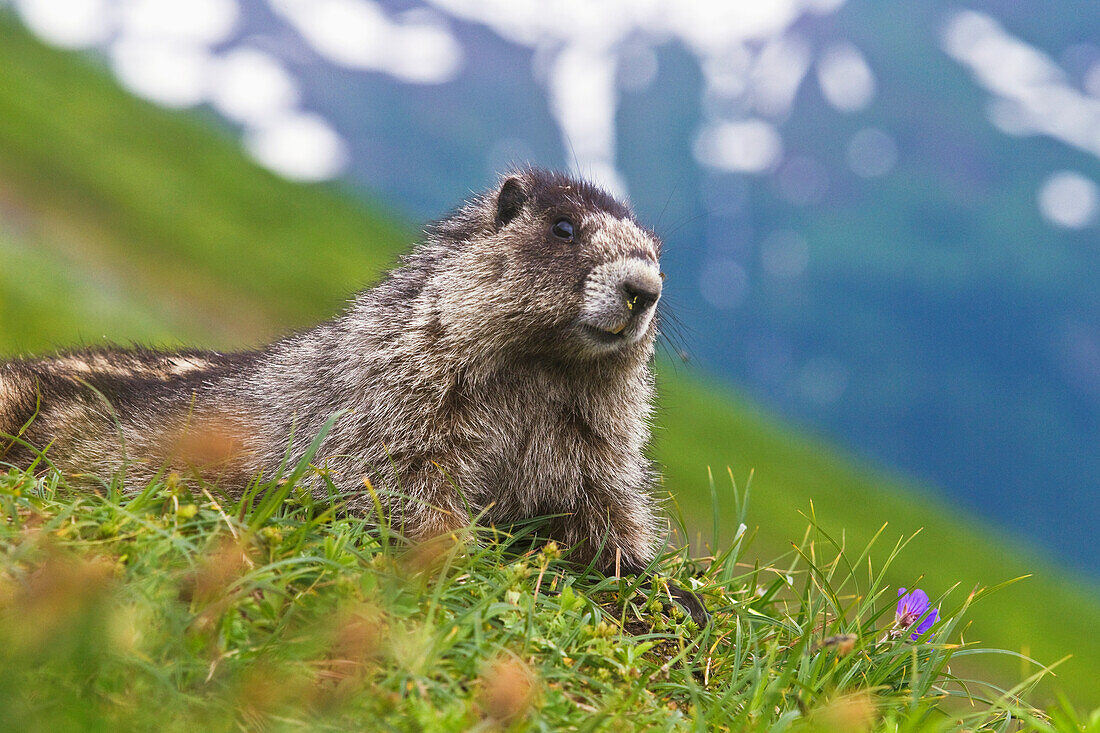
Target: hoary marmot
501	370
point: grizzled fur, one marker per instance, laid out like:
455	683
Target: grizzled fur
500	358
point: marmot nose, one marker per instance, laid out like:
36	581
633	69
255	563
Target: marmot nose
639	295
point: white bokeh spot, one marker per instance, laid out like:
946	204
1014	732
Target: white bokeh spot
298	146
169	73
196	21
845	78
251	86
1068	199
743	146
359	34
67	23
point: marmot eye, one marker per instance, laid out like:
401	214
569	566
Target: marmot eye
563	229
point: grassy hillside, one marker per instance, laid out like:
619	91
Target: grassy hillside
118	220
174	611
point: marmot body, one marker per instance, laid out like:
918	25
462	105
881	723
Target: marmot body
501	369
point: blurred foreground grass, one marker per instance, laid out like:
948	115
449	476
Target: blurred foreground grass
122	221
180	609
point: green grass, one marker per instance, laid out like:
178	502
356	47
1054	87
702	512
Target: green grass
124	222
178	610
48	299
1049	615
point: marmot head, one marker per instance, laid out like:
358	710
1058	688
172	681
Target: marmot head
554	266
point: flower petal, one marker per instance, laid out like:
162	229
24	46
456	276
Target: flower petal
928	621
915	603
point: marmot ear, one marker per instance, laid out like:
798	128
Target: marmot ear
510	201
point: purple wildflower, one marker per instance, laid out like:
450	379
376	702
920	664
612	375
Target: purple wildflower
911	607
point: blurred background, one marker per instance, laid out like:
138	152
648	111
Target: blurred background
881	224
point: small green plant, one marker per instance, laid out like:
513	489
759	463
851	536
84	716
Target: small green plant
180	609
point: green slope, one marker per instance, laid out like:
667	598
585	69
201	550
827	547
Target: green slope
1047	616
168	205
122	221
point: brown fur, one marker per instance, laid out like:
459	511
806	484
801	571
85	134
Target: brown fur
488	361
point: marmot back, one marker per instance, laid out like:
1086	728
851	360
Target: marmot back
506	356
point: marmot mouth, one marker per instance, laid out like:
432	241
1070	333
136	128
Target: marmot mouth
607	336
